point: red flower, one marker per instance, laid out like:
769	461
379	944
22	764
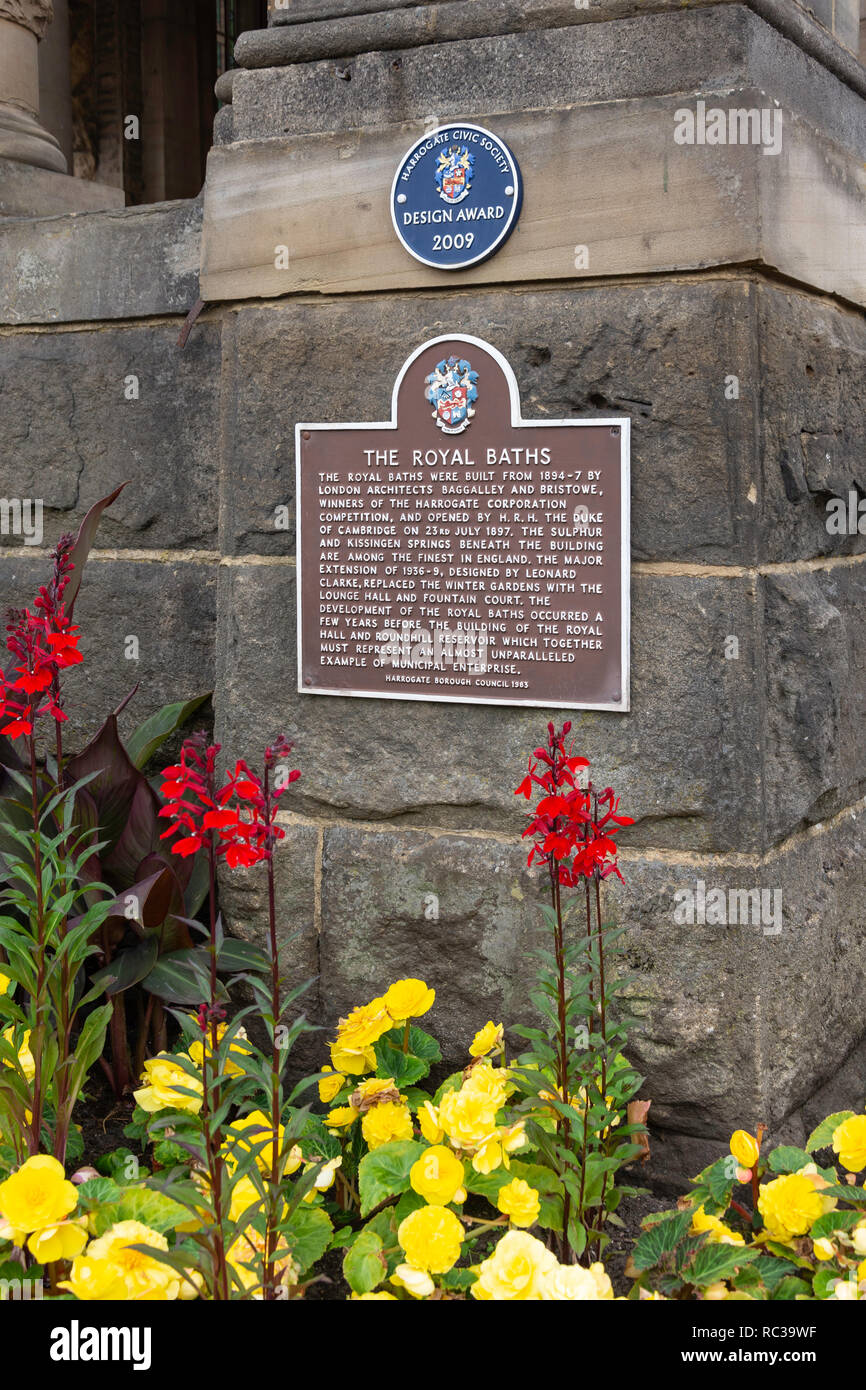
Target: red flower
572	827
45	643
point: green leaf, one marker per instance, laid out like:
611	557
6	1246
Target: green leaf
153	733
421	1044
659	1240
401	1066
716	1260
235	956
842	1192
787	1159
365	1264
308	1234
97	1191
180	977
834	1221
789	1289
153	1209
385	1172
822	1136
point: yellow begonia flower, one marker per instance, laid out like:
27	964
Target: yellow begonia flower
789	1205
431	1238
36	1197
354	1061
489	1082
716	1293
468	1117
5	982
371	1088
164	1075
239	1048
519	1202
364	1026
408	999
437	1176
249	1133
716	1229
575	1284
61	1242
428	1119
515	1271
244	1196
26	1060
849	1142
342	1116
385	1122
246	1255
859	1237
486	1039
744	1148
417	1282
823	1249
330	1085
111	1270
380	1296
326	1175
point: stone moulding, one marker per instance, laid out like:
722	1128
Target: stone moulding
348	32
608	178
35	15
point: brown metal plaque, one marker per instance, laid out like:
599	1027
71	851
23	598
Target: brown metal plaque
458	552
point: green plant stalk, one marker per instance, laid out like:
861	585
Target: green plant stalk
64	1030
40	1017
273	1203
215	1174
602	990
562	1124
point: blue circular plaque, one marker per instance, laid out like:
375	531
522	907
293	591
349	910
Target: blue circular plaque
456	196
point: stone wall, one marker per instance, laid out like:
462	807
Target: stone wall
403	851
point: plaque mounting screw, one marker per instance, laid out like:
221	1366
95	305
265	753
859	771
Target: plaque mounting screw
615	429
401	197
305	434
509	189
617	696
308	680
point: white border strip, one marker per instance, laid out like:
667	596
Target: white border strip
517	422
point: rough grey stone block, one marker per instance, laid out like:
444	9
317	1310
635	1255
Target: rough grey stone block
687	52
813	425
457	765
168	606
815	635
657	353
100	265
70	435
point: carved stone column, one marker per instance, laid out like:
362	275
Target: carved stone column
22	25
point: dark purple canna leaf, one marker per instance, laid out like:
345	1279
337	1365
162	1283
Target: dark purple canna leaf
114	790
83	541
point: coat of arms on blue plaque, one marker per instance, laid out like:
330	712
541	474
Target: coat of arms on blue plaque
454	173
456	196
452	391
